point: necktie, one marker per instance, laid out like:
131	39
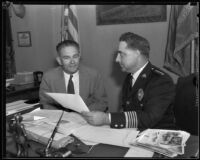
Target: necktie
70	88
130	84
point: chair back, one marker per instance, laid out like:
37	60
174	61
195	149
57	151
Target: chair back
185	106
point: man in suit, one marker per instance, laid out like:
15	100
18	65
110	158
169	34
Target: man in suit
147	93
73	78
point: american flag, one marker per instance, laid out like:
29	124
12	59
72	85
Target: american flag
69	23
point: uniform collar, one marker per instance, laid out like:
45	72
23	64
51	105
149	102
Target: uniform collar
137	73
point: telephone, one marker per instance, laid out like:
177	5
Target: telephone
37	77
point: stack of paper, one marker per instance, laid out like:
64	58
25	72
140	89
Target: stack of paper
39	126
18	106
166	142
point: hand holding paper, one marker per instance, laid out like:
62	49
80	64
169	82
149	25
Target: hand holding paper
96	118
70	101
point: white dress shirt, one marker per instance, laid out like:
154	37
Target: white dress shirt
75	80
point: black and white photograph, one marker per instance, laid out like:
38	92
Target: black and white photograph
24	39
100	80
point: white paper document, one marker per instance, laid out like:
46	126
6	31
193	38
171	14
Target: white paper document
48	118
18	106
15	103
106	135
138	152
70	101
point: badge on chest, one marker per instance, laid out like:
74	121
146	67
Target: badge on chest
140	94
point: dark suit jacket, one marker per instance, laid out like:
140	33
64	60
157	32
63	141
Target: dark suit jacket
91	88
151	98
185	106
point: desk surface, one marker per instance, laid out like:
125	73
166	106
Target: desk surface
102	150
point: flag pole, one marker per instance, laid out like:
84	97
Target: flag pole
192	45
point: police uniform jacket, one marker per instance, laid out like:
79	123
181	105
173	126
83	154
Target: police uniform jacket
149	103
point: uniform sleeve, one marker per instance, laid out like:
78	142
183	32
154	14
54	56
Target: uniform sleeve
98	100
124	120
118	120
46	101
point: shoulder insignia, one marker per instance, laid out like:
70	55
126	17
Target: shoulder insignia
158	71
144	75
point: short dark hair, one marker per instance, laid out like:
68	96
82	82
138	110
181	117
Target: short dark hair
135	41
67	43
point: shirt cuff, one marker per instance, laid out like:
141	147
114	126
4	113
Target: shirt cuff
109	118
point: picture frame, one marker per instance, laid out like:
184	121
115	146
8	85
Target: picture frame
24	39
124	14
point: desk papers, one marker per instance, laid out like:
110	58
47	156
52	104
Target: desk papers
106	135
18	106
167	142
138	152
41	129
70	101
74	123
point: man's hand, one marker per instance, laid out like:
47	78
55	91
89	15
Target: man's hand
96	118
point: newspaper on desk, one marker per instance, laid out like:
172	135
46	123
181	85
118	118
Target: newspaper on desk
167	142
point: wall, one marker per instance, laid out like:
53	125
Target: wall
43	21
98	44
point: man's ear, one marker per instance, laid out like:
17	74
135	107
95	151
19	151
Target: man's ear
58	60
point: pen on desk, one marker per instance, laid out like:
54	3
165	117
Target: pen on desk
90	148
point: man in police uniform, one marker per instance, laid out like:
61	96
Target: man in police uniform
147	92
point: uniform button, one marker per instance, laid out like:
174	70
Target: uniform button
121	125
127	102
116	125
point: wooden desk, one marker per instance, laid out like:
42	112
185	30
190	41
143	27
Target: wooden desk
22	92
104	150
101	150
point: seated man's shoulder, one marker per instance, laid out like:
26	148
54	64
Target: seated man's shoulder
159	73
52	71
89	70
160	77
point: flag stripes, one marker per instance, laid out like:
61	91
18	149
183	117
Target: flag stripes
73	19
70	24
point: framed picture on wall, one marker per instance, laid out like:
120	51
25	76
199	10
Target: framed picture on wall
24	39
124	14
